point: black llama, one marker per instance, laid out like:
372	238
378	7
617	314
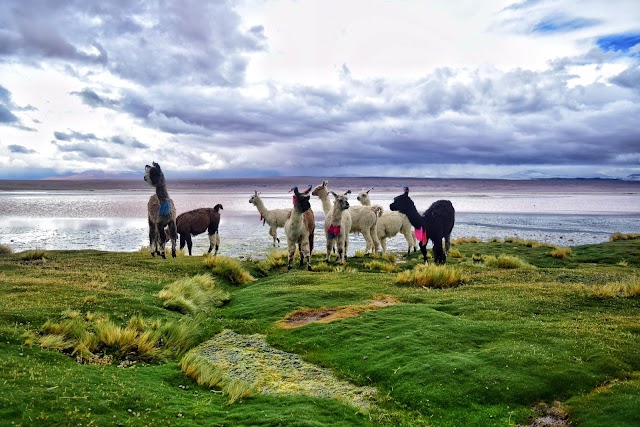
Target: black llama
161	212
434	224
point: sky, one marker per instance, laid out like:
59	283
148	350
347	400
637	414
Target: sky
251	88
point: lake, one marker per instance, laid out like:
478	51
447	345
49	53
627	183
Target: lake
111	215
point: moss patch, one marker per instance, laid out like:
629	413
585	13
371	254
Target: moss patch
269	371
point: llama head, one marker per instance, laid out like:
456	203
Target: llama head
319	189
363	196
254	198
301	200
341	200
403	203
218	207
153	174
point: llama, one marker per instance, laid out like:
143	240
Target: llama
195	222
274	217
300	228
363	219
161	212
435	224
336	227
390	224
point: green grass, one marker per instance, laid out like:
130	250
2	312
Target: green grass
490	352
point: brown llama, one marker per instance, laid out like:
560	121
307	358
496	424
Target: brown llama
198	221
161	212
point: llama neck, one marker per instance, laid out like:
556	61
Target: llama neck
296	218
414	218
261	207
336	216
161	192
324	198
365	202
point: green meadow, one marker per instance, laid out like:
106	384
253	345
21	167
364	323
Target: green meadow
508	333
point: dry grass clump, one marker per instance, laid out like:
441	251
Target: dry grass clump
494	240
242	365
431	276
273	261
192	294
464	240
624	236
5	250
324	267
454	253
380	266
90	337
561	253
33	255
147	249
229	269
628	288
504	261
528	243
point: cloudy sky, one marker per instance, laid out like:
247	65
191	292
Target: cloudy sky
458	88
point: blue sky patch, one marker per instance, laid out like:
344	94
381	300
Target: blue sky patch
561	24
619	42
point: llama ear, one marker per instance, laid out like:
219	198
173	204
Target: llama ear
333	194
325	183
308	189
369	190
155	165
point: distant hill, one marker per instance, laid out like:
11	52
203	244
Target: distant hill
633	177
96	174
534	174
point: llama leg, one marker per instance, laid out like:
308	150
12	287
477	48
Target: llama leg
173	234
423	249
300	252
447	244
217	243
212	241
374	239
183	241
368	242
383	244
305	253
189	242
161	238
292	252
329	249
152	238
273	233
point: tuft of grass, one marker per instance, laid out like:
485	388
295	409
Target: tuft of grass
561	253
5	250
624	236
494	240
454	253
33	255
84	336
192	294
380	266
273	261
628	288
505	262
392	258
229	269
622	263
465	240
431	276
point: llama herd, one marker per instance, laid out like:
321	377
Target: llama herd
341	219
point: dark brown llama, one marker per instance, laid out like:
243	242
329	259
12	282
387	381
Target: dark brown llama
198	221
434	224
161	212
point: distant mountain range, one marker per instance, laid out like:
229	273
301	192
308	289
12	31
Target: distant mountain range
523	175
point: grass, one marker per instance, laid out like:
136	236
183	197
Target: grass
505	261
492	352
33	255
5	250
561	253
192	294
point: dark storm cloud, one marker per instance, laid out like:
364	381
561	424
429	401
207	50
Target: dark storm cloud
150	43
7	116
20	149
74	136
87	151
128	142
92	99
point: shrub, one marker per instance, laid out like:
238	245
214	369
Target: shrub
505	261
5	250
229	269
430	276
33	255
624	236
561	253
192	294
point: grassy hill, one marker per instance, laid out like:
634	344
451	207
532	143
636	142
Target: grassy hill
509	331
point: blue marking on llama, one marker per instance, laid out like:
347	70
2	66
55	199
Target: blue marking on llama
165	208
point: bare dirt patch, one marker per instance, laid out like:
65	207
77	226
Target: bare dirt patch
329	314
549	416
